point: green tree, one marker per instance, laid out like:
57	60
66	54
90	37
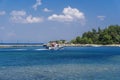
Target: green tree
78	39
109	35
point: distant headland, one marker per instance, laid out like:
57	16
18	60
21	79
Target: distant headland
8	45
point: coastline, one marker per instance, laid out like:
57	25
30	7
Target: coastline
24	45
65	45
91	45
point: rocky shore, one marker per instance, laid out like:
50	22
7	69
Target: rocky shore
91	45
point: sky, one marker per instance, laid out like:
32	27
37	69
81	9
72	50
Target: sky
46	20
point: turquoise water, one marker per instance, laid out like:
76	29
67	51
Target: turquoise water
69	63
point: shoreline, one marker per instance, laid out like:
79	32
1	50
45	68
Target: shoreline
91	45
65	45
24	45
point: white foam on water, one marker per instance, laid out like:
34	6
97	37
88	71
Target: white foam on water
20	49
41	49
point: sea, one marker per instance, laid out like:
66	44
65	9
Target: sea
68	63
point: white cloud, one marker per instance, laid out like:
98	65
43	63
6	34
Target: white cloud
2	13
22	17
69	15
31	19
46	10
38	3
61	18
101	17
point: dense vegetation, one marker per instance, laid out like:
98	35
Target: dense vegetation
109	35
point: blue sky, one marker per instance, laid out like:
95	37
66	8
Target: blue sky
45	20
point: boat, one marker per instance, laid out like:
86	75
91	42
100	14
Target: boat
53	46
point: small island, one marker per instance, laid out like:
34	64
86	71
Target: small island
109	36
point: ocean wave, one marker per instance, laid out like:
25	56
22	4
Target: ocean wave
40	49
20	49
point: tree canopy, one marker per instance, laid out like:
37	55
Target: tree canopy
109	35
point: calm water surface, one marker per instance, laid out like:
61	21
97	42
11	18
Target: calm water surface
69	63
